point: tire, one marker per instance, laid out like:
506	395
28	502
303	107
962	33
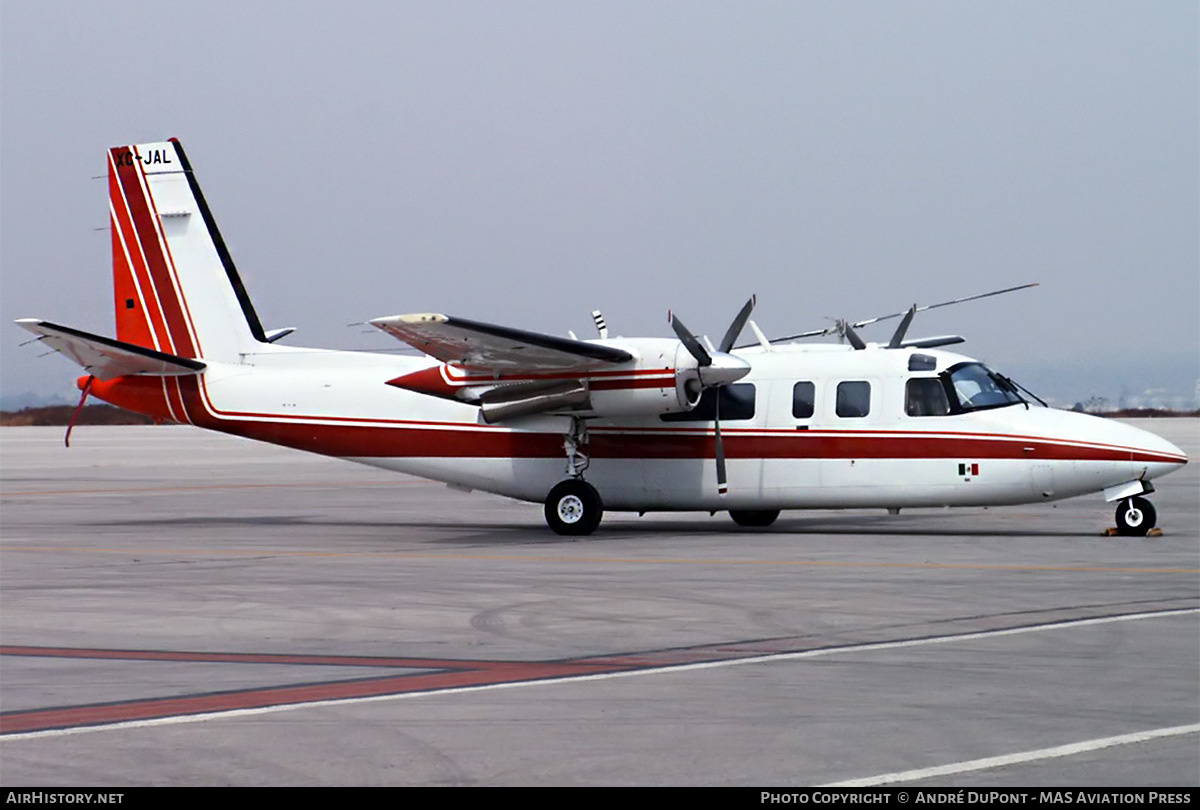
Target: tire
754	517
573	508
1135	517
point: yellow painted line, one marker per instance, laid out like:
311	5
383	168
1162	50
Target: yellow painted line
368	555
195	487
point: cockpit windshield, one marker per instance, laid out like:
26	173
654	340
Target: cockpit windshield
977	387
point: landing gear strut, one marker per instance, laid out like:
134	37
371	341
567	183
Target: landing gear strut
577	436
574	507
1135	517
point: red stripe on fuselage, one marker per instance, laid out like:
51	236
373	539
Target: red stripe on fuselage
410	439
486	378
439	381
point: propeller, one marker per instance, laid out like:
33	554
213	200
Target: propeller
846	331
715	369
842	328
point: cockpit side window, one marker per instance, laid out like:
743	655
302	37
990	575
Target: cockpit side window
976	387
926	396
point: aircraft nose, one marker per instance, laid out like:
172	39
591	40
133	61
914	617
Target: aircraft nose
1160	455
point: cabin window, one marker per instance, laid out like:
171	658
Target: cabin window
853	399
737	402
926	396
804	395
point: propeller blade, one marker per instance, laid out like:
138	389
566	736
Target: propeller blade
722	483
898	336
739	323
808	334
690	343
852	336
947	303
858	324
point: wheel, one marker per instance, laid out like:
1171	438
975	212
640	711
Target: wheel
1135	517
754	517
574	508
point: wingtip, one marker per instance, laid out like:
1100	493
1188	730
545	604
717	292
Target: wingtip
418	317
30	324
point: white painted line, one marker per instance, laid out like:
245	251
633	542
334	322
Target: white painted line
1012	759
606	676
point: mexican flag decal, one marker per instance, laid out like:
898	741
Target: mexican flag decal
968	469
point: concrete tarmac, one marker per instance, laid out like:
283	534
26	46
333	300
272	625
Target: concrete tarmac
183	608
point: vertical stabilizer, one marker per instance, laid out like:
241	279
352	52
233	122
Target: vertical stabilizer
175	285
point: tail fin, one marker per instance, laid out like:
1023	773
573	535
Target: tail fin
175	285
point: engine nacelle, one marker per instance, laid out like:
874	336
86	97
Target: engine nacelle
662	378
651	384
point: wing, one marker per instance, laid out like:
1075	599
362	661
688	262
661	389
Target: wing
106	358
479	346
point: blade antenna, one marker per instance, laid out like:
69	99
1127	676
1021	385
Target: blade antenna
601	326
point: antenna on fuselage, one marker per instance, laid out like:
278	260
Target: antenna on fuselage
601	325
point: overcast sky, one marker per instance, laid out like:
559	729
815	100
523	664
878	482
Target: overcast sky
524	163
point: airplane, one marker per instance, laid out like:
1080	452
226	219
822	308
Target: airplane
583	426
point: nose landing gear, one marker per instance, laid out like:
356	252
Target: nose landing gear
1135	517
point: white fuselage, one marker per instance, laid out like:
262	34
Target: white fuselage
337	403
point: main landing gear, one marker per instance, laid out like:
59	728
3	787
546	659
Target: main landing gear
574	507
1135	517
754	517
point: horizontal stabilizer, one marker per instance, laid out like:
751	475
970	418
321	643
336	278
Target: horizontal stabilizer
105	358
